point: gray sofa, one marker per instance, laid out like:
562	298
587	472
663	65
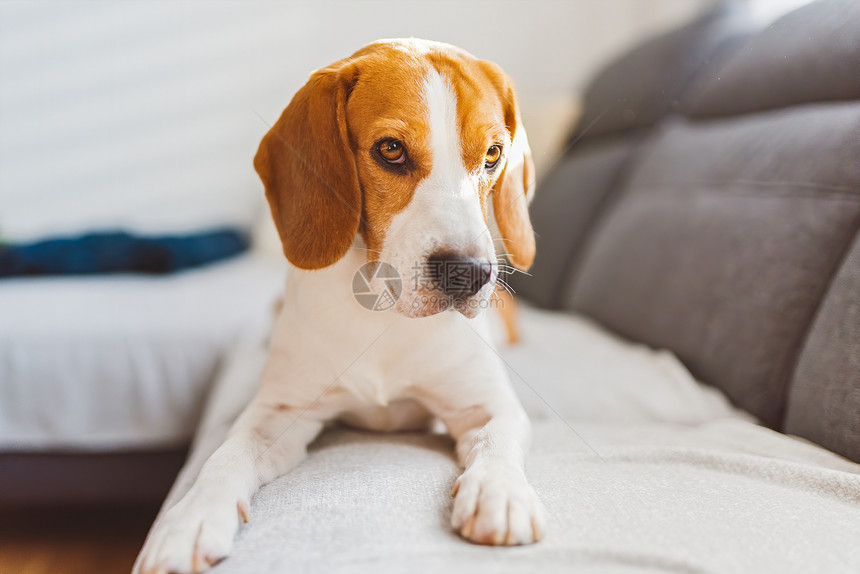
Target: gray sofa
707	208
709	203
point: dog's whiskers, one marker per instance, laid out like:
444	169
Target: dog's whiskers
506	269
505	285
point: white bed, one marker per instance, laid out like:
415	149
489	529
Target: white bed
125	361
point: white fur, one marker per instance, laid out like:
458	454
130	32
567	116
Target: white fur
331	358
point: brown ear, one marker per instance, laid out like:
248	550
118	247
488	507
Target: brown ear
514	189
309	173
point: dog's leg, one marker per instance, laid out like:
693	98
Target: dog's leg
493	501
269	438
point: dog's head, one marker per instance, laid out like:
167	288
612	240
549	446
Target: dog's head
416	148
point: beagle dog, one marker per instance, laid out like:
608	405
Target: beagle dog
408	155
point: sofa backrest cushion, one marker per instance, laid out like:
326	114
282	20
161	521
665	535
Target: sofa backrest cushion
644	85
810	55
824	400
563	219
723	243
621	106
728	233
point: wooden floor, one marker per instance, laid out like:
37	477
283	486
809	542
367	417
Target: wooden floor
71	541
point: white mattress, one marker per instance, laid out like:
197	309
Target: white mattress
100	363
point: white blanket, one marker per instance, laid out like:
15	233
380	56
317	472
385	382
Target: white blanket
123	361
641	468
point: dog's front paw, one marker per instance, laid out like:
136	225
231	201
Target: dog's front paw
193	535
495	504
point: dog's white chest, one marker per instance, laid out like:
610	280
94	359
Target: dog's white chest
398	415
372	389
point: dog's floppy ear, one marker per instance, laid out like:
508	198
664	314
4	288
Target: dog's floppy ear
309	172
515	188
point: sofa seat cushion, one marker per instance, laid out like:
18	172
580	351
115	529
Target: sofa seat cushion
641	468
726	496
115	362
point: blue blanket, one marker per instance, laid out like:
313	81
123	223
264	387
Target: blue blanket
119	252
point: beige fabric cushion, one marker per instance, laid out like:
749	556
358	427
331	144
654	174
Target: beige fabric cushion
725	496
641	469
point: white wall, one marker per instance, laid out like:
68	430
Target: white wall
147	114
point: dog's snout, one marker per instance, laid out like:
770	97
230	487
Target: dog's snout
458	275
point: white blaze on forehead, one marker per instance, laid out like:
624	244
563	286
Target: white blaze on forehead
448	170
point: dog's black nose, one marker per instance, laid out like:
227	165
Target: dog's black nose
458	275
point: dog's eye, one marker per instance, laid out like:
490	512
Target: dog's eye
392	151
494	154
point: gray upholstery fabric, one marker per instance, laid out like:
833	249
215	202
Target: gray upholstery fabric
824	404
631	94
722	246
645	84
719	239
570	198
812	150
810	55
